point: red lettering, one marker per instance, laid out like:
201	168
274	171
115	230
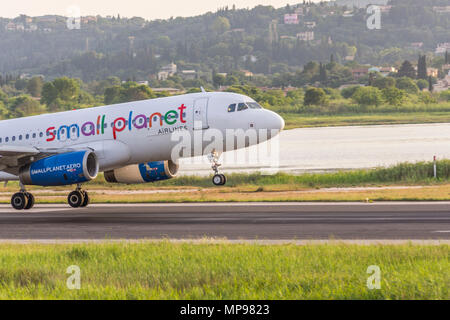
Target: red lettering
115	129
98	124
181	112
151	119
51	133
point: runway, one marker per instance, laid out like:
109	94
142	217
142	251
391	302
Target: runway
234	221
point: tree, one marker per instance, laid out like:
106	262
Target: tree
422	84
407	84
407	70
315	96
61	93
20	84
383	82
220	25
34	86
128	92
393	96
23	106
322	74
219	80
348	92
447	57
4	112
430	84
3	96
422	68
367	96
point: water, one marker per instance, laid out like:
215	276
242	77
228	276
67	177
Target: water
338	148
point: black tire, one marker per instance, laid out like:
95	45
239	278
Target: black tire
75	199
86	199
30	199
224	179
19	201
217	180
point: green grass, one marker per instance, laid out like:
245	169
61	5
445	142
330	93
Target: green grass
407	173
223	271
298	120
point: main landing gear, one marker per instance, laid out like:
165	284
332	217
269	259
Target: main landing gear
218	178
78	198
22	200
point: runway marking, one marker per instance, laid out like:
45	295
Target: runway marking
442	231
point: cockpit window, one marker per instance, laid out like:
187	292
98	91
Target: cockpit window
242	106
232	107
254	105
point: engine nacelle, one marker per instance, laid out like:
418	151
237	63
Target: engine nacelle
143	173
61	169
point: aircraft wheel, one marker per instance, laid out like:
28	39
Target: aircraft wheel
86	200
75	199
217	180
30	199
224	179
19	201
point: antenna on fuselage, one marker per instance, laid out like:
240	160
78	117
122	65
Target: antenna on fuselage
203	89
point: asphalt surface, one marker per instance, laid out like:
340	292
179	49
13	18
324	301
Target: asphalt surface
262	221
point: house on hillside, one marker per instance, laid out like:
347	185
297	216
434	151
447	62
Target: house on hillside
360	72
291	18
385	71
189	74
433	72
442	10
167	71
443	84
306	36
442	47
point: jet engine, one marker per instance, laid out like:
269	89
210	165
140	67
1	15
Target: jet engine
143	172
61	169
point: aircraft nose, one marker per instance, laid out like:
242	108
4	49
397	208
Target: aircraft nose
276	121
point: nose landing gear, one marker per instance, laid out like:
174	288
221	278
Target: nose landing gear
22	200
78	198
218	178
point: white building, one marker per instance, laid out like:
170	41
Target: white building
442	47
291	18
443	84
310	24
442	10
305	36
189	74
167	71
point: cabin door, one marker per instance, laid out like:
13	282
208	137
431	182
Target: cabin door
201	114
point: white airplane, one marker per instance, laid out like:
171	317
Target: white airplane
130	142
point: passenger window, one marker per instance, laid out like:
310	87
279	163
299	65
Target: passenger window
0	140
232	107
242	106
6	139
27	136
14	138
41	134
34	135
20	137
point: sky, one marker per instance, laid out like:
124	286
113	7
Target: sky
148	9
